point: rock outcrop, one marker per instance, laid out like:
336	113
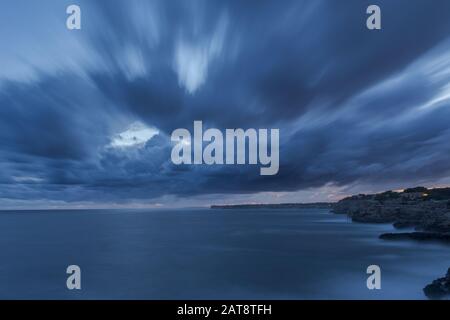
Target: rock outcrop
422	236
439	288
424	209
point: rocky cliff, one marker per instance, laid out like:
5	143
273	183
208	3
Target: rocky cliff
427	210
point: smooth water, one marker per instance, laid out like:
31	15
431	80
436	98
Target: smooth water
208	254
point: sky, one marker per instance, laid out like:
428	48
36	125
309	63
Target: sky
86	115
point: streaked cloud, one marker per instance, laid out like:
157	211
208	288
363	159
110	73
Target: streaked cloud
86	117
193	56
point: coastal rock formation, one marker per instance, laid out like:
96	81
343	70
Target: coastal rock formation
439	288
424	209
423	236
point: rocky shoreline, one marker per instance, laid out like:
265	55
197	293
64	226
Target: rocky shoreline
439	288
427	211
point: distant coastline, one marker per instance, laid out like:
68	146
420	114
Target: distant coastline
425	210
315	205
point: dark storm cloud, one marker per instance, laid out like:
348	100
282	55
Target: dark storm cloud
352	105
277	60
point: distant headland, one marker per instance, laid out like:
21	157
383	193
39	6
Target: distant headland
426	210
315	205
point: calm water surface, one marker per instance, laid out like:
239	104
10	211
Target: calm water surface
208	254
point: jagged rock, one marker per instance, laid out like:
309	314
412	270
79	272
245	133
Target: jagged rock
439	288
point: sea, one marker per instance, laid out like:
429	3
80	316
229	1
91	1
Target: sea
208	254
